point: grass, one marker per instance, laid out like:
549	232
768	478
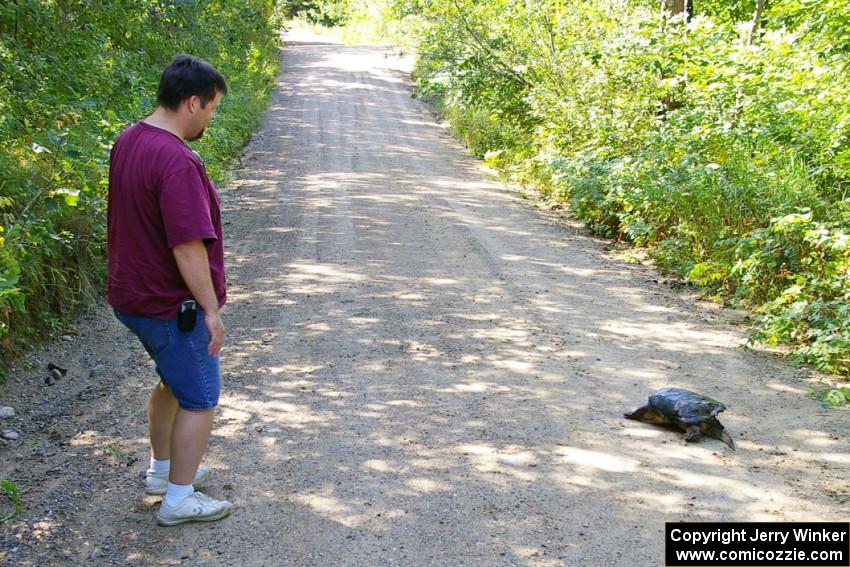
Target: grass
11	490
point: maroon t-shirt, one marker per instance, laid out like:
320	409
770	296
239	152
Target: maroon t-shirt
159	197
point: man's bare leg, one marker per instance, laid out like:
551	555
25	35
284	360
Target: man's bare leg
187	432
189	440
162	410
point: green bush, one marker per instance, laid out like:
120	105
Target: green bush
323	12
72	76
724	151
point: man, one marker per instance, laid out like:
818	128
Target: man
165	252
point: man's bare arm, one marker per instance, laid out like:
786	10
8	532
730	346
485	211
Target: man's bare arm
194	266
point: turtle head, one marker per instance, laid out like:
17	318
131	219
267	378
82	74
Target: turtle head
648	415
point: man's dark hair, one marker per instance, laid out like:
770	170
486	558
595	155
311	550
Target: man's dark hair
187	76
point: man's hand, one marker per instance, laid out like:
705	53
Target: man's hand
216	329
194	266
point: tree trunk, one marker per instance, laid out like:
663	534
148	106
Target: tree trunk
760	5
679	7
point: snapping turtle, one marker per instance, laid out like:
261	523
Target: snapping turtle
692	413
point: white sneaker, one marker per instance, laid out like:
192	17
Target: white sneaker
197	507
157	483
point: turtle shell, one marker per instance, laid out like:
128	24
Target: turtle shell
688	407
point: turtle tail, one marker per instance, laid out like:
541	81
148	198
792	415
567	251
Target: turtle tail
726	438
711	427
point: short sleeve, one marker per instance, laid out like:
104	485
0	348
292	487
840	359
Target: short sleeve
184	204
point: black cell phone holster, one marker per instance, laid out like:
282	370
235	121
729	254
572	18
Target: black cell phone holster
186	316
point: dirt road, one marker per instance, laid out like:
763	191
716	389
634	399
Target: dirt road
421	369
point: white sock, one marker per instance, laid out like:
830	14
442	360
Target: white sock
176	493
160	467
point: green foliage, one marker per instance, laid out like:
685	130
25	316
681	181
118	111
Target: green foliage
375	22
726	11
323	12
832	397
73	74
804	266
725	153
11	490
823	24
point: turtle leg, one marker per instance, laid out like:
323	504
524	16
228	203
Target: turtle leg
693	433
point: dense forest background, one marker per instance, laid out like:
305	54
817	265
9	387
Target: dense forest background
711	133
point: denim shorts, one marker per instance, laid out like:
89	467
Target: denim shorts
182	359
